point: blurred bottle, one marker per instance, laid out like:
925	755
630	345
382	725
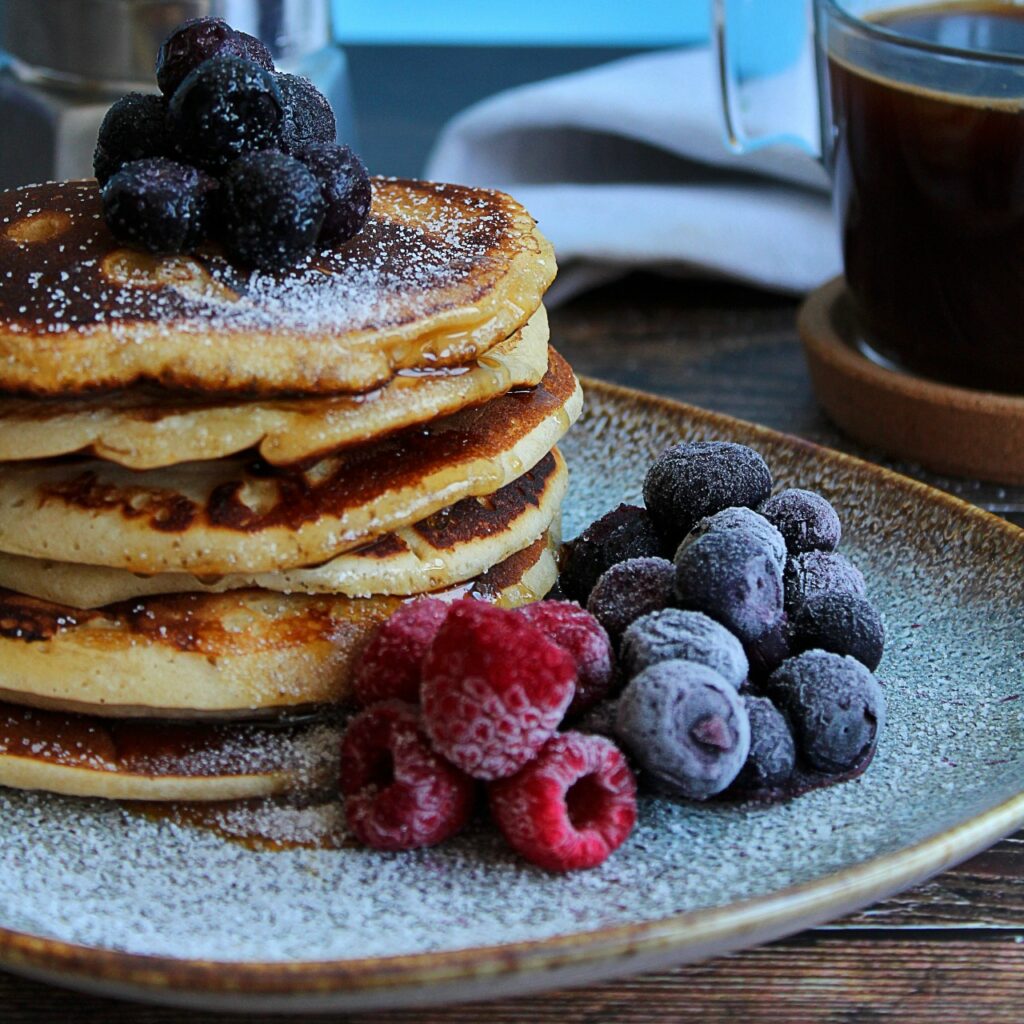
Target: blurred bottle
66	61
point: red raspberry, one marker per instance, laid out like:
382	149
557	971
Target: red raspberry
569	808
494	689
578	633
389	668
399	792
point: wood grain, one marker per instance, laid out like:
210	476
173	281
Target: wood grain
949	952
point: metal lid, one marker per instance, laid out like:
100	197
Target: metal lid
113	43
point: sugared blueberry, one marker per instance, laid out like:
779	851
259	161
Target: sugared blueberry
198	40
158	205
770	649
686	727
225	108
842	624
739	517
805	519
309	118
673	634
134	128
629	590
345	186
625	532
733	577
581	636
271	210
835	706
695	479
820	572
772	756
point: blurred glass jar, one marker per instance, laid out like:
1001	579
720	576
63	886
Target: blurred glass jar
66	61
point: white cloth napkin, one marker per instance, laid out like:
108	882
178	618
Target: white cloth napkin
625	167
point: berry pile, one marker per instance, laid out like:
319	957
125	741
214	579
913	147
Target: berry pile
231	151
748	657
460	695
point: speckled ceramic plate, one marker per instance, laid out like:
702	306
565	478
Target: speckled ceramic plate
91	896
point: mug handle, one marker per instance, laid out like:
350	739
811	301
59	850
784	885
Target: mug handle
732	90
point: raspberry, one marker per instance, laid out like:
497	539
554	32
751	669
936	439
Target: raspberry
271	211
134	128
570	807
625	532
494	689
226	107
629	590
579	634
399	793
159	205
345	186
198	40
692	480
805	519
391	663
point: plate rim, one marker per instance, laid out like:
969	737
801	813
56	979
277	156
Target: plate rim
454	975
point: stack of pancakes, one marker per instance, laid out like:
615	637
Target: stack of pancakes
215	484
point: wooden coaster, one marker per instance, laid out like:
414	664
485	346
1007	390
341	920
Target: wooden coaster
956	431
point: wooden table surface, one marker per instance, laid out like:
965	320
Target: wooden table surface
950	951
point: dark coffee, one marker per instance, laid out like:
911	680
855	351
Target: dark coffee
929	189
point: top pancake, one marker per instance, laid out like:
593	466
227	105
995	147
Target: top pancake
438	275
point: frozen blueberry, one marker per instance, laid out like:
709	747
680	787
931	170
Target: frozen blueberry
630	589
733	577
271	210
309	118
805	519
695	479
820	572
224	108
198	40
835	706
134	128
625	532
686	727
772	756
741	518
674	634
842	624
345	186
769	650
158	205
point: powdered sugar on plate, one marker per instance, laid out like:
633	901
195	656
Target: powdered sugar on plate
951	589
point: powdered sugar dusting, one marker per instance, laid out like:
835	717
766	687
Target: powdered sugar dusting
422	246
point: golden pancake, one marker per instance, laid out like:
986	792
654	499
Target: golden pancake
80	755
248	653
242	515
452	545
439	275
143	429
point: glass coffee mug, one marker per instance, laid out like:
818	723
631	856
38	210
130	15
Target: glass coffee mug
922	131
